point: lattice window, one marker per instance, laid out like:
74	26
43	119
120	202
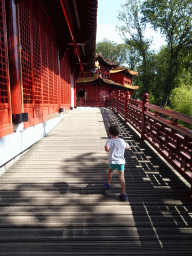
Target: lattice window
50	65
3	71
37	62
39	58
45	73
65	82
62	81
25	36
68	88
56	71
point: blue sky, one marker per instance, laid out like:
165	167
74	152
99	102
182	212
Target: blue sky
107	20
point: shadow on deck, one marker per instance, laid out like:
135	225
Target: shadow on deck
52	201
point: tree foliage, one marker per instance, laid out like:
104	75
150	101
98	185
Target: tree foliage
181	100
166	75
133	34
174	19
112	51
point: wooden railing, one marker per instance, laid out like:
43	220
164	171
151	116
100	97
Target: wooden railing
160	128
91	102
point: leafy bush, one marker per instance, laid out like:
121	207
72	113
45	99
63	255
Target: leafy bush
181	100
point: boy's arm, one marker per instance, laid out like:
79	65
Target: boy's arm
127	146
107	148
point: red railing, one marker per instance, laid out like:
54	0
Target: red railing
171	140
91	102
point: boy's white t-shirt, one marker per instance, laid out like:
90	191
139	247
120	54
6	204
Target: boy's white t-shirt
117	150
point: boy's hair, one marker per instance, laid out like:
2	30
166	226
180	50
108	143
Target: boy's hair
114	130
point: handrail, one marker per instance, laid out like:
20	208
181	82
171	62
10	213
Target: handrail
171	140
171	113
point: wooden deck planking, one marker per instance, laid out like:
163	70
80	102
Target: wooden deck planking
52	200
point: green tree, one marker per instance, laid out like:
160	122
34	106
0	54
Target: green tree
159	72
174	19
133	34
181	100
112	51
118	53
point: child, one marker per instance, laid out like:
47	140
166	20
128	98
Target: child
116	147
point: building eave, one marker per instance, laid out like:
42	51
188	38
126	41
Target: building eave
126	70
111	64
105	81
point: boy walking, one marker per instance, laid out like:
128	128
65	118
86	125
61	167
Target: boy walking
116	146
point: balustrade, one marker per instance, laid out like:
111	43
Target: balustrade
91	102
171	140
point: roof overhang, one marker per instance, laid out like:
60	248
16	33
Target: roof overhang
75	24
81	19
97	77
101	60
124	70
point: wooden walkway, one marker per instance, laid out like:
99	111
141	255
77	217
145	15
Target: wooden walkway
52	200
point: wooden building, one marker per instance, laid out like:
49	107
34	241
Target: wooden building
124	76
44	46
93	88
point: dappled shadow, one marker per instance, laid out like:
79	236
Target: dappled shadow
160	201
62	187
73	211
62	208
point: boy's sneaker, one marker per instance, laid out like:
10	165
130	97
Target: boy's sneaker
106	186
123	196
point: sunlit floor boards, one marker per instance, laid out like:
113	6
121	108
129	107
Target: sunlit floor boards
52	200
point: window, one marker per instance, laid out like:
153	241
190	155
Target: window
81	94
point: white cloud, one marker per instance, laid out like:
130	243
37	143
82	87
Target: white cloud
109	32
158	39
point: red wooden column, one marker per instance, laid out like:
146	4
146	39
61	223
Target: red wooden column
127	97
5	100
97	96
113	97
59	86
14	61
75	94
118	98
145	100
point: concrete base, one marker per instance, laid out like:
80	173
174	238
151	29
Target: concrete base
13	145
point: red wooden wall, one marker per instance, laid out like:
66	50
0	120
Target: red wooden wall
45	81
104	71
127	79
117	77
94	90
121	78
40	67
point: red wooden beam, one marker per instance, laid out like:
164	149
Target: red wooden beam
67	15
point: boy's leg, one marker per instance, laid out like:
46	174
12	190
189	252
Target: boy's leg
122	181
109	176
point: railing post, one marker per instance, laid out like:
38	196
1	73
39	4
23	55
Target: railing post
127	97
111	100
118	98
145	100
